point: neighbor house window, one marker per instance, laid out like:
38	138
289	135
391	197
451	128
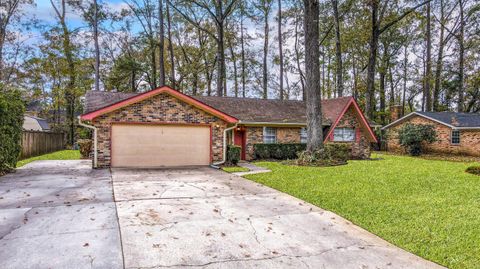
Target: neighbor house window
269	135
455	137
344	134
303	135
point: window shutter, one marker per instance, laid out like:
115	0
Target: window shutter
358	133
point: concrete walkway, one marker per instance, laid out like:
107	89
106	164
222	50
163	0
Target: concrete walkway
252	167
61	214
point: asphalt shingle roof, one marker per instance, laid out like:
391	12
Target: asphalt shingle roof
244	109
465	120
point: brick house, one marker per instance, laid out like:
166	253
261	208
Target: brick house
164	127
458	133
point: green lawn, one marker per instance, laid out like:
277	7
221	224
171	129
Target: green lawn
428	207
57	155
235	169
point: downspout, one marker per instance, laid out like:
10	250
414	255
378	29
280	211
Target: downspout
94	139
215	165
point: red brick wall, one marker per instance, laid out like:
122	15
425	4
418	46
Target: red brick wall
360	148
469	139
361	145
158	109
284	135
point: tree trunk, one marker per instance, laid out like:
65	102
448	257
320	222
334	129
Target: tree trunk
382	97
221	70
338	50
97	47
329	88
161	45
234	61
243	57
312	75
170	47
372	58
405	68
297	57
322	51
391	100
384	65
153	82
428	70
220	61
280	49
265	57
439	65
461	57
355	78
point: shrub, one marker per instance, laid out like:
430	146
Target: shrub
11	123
85	146
330	154
413	136
233	154
278	151
474	170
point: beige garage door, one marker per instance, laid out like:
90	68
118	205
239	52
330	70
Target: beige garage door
143	145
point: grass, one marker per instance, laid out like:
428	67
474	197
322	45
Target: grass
235	169
428	207
57	155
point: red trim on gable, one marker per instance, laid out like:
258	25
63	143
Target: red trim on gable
362	118
165	89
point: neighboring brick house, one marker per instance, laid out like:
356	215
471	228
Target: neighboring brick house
458	133
164	127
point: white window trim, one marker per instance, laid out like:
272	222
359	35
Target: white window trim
342	128
265	135
459	137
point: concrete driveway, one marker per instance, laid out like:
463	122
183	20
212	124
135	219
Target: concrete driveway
62	214
58	214
208	218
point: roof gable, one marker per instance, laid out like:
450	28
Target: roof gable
452	120
363	121
165	89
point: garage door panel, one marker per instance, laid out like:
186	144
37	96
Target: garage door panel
137	145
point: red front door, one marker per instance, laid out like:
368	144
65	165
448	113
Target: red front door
239	139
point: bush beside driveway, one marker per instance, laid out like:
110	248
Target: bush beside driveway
428	207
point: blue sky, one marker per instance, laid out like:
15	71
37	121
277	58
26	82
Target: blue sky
43	11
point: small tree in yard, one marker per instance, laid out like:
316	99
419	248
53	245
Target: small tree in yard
413	136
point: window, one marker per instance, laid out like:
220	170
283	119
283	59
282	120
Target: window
344	134
269	135
303	135
455	137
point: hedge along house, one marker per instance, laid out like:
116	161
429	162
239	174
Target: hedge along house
164	127
457	133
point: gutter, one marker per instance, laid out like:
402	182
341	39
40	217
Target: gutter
279	124
215	165
94	139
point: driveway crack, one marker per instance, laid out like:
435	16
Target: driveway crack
118	220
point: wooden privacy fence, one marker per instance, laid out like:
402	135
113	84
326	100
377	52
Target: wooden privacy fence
36	143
